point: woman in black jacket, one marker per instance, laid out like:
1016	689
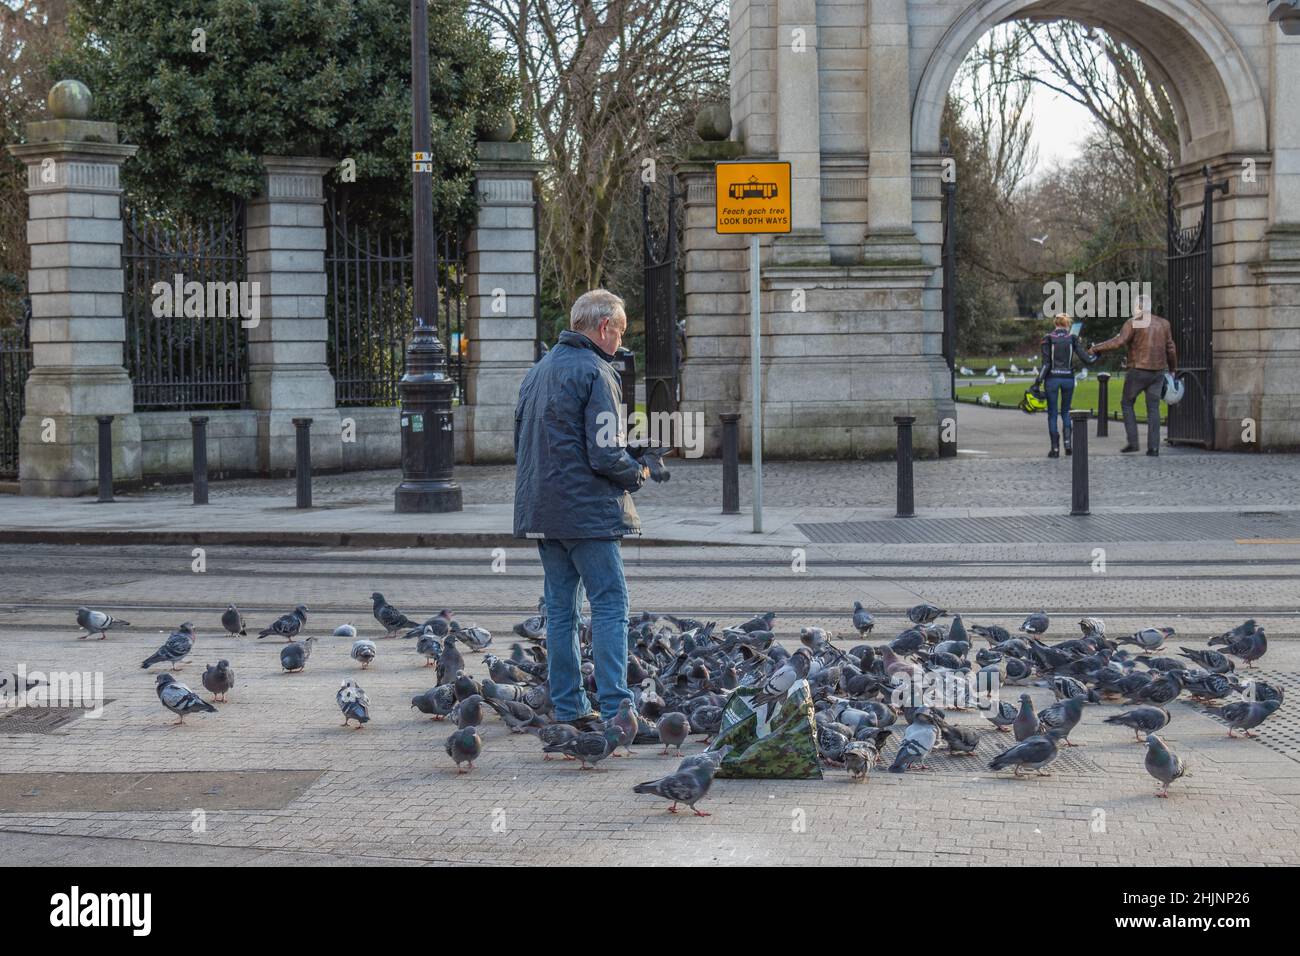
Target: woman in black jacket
1060	348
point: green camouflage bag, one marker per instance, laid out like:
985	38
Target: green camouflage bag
778	741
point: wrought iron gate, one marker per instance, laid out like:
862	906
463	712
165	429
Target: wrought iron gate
1190	310
15	363
660	300
948	188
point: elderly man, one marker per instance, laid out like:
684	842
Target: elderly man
573	482
1151	351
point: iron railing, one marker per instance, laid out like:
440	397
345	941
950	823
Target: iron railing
15	363
369	303
199	357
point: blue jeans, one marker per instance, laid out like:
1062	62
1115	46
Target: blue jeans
597	565
1060	392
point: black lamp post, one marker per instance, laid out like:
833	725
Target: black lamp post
428	441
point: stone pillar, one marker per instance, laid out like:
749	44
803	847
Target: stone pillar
890	235
74	230
288	369
501	325
798	119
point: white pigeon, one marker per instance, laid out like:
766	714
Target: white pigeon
1001	380
986	399
363	651
992	370
965	371
1082	375
345	630
1014	370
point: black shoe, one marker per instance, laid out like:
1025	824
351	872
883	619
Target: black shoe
1153	453
1053	454
1128	448
585	723
1068	450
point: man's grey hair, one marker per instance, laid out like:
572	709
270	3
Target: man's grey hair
594	307
1141	304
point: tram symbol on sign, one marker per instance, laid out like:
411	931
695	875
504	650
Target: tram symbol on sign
752	189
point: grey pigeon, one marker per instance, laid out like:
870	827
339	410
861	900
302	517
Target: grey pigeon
354	703
712	757
175	649
469	712
515	714
918	741
674	727
390	618
233	621
533	628
1036	623
1249	648
1245	714
1064	716
925	613
293	656
287	625
1149	638
1141	720
1159	691
179	699
345	630
960	740
862	619
1229	637
428	646
861	756
553	734
626	721
1002	716
464	746
436	702
1163	764
363	652
97	622
590	748
786	676
762	622
451	662
1212	661
688	786
1026	722
218	679
474	637
1035	753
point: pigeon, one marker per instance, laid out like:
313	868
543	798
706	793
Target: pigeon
1092	627
428	646
1245	629
925	613
1203	686
469	712
1162	690
441	624
1026	722
388	616
551	734
960	740
762	622
463	746
1249	648
450	662
345	630
1065	687
1003	716
179	699
436	702
218	679
626	722
233	621
293	656
515	714
474	637
354	702
1163	764
1149	638
862	619
288	625
688	786
1212	661
1245	714
784	677
1035	753
1144	720
591	747
862	755
175	649
363	652
918	741
534	628
1036	623
674	727
97	622
1064	716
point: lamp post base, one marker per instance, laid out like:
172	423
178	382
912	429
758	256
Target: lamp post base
427	497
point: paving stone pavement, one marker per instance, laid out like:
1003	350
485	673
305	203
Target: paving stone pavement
388	793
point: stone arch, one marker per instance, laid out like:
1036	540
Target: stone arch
1216	97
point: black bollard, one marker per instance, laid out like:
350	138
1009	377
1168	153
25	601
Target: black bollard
730	462
105	457
303	426
199	457
1103	404
1079	484
906	500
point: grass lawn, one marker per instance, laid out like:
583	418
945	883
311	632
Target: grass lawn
1085	396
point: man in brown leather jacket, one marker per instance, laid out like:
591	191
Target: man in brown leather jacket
1151	352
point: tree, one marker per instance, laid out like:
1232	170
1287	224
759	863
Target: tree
206	87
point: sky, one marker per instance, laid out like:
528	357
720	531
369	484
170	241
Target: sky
1060	127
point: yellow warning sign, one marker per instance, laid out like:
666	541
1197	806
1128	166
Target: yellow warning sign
752	197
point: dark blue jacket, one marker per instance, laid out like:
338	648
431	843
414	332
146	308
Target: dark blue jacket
573	474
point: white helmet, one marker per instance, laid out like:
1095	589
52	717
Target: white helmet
1172	393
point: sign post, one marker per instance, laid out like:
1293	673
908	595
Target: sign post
753	199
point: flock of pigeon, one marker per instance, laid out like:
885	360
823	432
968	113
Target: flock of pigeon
682	673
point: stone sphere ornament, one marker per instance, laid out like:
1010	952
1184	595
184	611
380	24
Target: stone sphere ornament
502	132
713	122
70	99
